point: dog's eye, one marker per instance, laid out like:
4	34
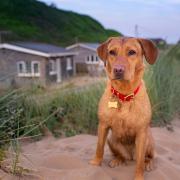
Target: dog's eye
112	53
131	52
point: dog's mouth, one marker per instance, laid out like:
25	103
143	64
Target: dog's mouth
118	77
122	78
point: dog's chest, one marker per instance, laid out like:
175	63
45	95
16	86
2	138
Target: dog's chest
123	121
123	127
126	116
119	110
122	117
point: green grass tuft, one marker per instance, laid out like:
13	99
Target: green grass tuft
163	84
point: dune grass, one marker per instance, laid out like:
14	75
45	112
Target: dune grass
163	84
66	112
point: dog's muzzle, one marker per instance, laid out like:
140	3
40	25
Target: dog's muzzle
119	72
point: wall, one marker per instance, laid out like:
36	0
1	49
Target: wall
80	59
65	74
8	69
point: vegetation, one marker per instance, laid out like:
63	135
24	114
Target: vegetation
163	84
35	21
11	116
66	112
69	111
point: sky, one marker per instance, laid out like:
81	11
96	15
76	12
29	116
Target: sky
154	18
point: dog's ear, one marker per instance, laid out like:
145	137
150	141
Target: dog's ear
150	50
102	50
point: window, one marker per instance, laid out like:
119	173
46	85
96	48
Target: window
87	58
97	59
35	69
69	64
21	68
52	67
28	69
92	59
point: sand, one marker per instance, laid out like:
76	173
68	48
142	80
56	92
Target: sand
67	159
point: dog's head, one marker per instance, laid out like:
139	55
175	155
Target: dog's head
123	57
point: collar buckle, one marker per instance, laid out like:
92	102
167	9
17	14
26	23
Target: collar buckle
129	97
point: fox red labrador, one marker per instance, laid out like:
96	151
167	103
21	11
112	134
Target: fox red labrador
124	108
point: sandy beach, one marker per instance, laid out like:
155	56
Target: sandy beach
67	159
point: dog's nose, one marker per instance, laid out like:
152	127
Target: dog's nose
119	71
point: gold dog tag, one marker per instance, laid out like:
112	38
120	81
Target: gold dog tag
113	104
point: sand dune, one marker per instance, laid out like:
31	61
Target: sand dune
67	159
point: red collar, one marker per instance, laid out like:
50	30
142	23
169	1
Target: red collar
123	97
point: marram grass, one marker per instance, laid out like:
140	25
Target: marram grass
163	84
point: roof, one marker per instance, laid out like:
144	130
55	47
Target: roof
41	49
91	46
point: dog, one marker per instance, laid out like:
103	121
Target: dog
124	107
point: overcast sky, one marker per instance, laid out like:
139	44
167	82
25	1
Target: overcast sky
155	18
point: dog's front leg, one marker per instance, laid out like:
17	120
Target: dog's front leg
140	154
102	135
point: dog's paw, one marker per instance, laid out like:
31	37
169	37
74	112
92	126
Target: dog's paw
95	162
149	165
116	162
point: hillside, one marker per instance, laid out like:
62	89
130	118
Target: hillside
32	20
